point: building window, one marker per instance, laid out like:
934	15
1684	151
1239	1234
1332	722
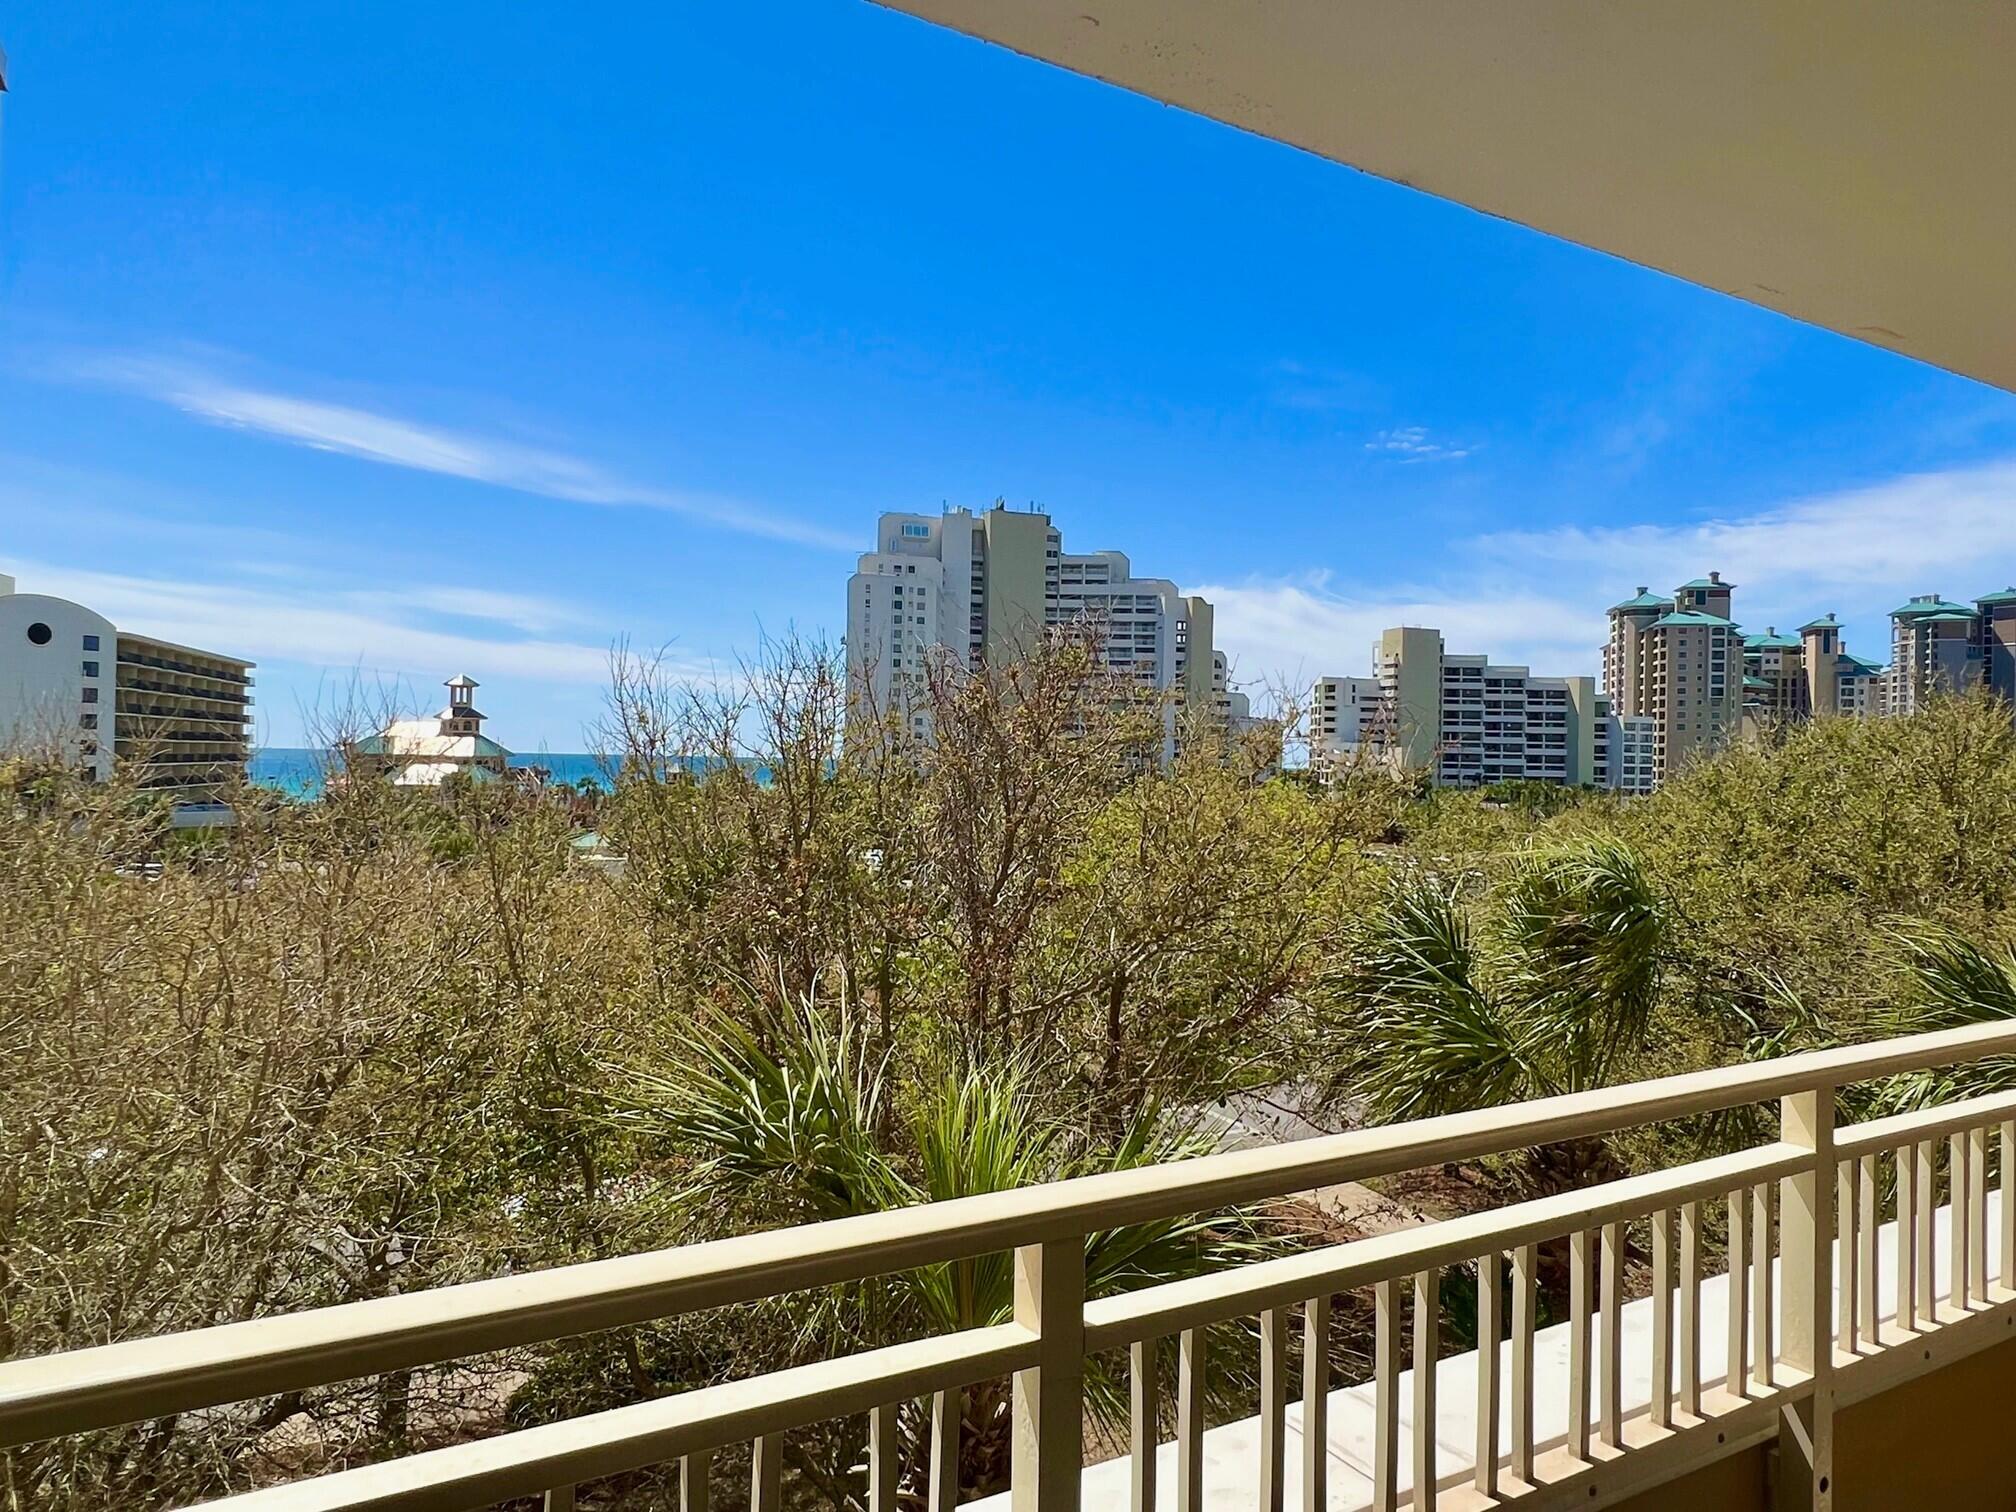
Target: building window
40	633
90	643
87	721
90	669
90	695
917	532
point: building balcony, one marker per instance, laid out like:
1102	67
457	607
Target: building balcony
1853	1348
206	694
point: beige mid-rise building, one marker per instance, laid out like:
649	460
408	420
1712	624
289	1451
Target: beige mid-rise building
1934	648
1789	678
1677	662
1467	721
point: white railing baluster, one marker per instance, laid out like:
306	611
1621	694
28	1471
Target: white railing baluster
1490	1327
1739	1290
1145	1417
2008	1214
695	1472
942	1495
1315	1404
1847	1252
1927	1193
1690	1309
1905	1171
1763	1353
1190	1421
1578	1343
766	1474
1866	1279
1738	1297
1662	1318
1956	1222
1806	1330
560	1499
1385	1398
1610	1339
1048	1449
1977	1214
1427	1347
1525	1316
885	1458
1273	1409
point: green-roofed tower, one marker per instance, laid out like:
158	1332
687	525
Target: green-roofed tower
1674	666
1936	646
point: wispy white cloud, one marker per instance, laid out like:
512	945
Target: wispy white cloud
521	611
382	632
1538	597
1413	443
396	441
1296	630
1872	540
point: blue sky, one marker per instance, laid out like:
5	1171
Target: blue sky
397	341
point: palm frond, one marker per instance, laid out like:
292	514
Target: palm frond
1951	983
791	1112
1433	1038
1585	931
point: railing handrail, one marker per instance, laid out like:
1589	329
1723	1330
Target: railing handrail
81	1390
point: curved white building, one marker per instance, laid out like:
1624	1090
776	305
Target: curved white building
74	685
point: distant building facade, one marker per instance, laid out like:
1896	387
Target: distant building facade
982	589
1677	662
1343	711
1467	721
425	753
74	684
1939	646
1935	647
1789	678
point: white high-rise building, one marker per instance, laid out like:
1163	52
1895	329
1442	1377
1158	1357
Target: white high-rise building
1343	712
980	589
76	686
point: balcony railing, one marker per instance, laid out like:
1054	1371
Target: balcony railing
130	658
1807	1200
148	685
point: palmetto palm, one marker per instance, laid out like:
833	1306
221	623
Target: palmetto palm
1952	983
791	1121
1548	1001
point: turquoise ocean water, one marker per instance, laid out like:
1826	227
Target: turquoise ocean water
299	771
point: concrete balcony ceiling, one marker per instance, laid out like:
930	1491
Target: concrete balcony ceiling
1847	165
